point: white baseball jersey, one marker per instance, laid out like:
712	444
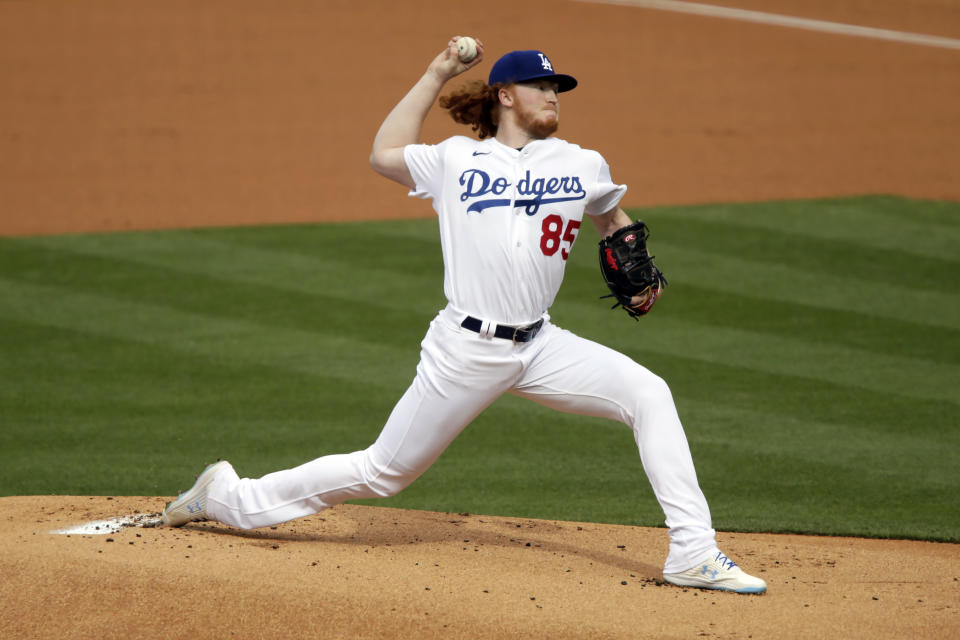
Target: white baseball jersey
509	218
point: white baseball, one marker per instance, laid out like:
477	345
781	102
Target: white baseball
467	48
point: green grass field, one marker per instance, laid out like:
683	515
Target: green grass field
813	349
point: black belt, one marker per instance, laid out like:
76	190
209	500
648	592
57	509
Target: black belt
517	334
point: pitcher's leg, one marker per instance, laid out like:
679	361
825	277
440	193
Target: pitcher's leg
456	380
576	375
420	427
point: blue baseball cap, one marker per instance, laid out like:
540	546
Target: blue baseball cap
524	66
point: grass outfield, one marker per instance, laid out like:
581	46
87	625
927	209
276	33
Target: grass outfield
813	349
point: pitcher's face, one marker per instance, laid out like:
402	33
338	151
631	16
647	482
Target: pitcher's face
537	107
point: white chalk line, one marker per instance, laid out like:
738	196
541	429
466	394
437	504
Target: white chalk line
111	525
775	19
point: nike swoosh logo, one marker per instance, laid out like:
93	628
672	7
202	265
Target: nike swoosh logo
481	153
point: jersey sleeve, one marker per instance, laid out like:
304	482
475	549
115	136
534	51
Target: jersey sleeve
425	164
605	193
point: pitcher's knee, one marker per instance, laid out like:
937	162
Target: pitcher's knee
649	392
387	485
383	480
656	389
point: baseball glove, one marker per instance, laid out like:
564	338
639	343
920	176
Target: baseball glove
629	271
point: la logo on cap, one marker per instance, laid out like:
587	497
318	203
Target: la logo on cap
528	66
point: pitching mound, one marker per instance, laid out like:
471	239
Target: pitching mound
366	572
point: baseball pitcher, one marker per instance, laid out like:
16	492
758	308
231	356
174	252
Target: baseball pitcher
510	201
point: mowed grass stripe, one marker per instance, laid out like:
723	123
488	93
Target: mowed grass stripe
833	364
328	278
827	257
886	452
51	367
794	473
325	351
267	303
94	414
413	243
929	229
730	272
882	355
708	306
724	384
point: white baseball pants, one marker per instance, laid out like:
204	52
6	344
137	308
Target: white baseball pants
461	373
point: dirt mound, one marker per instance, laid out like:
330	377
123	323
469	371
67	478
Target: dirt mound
373	572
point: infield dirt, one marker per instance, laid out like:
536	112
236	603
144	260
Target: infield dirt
374	572
173	114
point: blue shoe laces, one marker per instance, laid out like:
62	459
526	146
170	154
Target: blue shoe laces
724	561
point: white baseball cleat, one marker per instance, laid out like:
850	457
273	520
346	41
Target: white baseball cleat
718	572
191	505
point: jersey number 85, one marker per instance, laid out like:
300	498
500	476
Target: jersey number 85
552	239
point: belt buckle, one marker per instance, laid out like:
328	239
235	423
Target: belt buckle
528	331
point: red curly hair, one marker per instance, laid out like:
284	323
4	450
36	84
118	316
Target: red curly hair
475	104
